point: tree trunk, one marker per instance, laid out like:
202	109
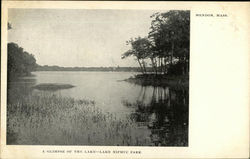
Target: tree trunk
153	65
156	69
159	65
144	66
140	65
172	53
165	65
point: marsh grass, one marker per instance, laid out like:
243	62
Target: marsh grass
50	119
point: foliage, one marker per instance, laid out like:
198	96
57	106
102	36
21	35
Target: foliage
9	26
141	49
20	62
167	43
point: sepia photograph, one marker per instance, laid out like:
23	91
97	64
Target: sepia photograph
98	77
124	79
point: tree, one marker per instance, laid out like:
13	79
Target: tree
170	36
167	44
140	49
20	62
9	26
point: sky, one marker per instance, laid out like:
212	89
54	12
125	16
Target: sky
78	38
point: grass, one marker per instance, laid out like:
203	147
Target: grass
52	86
55	120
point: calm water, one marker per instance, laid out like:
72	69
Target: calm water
159	115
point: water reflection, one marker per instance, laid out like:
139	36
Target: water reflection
166	115
19	88
157	116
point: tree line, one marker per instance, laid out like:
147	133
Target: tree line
166	47
20	62
104	69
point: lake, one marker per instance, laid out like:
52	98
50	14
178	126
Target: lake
116	112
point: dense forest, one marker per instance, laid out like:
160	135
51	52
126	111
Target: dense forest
166	48
20	62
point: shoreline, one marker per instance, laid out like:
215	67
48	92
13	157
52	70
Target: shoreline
159	80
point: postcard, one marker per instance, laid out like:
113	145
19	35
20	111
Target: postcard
116	79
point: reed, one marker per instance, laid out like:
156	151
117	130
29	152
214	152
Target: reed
50	119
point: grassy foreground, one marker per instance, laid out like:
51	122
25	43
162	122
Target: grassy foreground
55	120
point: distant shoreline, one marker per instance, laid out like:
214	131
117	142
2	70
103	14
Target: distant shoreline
101	69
